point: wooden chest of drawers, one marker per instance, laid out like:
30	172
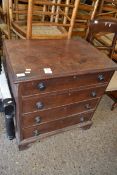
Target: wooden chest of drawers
56	85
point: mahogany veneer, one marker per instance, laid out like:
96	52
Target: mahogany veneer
58	100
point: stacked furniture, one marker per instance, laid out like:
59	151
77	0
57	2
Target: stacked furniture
105	26
97	30
107	9
86	12
43	19
5	23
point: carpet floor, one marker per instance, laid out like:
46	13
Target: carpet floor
75	152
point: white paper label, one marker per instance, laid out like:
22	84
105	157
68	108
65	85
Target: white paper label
20	75
28	70
47	70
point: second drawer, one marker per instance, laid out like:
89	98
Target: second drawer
38	103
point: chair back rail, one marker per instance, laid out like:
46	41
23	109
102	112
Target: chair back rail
107	8
103	26
85	13
55	13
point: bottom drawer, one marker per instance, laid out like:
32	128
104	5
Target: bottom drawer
57	124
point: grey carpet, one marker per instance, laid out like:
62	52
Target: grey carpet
75	152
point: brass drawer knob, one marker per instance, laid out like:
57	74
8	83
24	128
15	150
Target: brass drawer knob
41	86
39	105
101	77
88	106
37	119
93	94
36	132
82	119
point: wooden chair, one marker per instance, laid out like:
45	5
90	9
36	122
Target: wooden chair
100	27
109	26
86	12
111	90
3	9
107	9
5	25
43	19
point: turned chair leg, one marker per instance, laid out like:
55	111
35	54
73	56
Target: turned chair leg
113	106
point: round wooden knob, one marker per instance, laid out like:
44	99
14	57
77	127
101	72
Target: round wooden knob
39	105
36	132
37	119
88	106
81	119
93	94
101	77
41	86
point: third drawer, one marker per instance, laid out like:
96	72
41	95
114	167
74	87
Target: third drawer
40	117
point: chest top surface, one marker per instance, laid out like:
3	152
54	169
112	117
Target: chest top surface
30	59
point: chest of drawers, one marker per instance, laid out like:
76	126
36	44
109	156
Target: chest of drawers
56	85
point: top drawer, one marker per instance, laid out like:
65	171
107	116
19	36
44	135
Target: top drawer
57	84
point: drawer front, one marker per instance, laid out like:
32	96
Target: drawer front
55	125
40	117
43	102
57	84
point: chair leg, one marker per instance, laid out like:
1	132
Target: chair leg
113	96
113	106
1	51
0	65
